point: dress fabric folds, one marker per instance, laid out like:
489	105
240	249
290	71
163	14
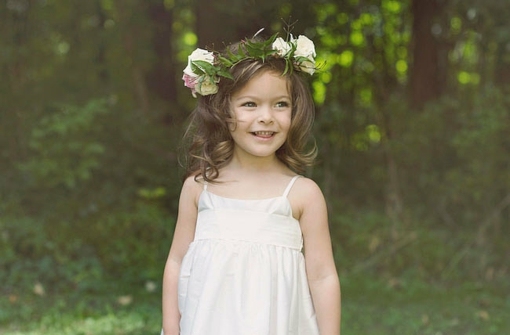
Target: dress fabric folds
244	272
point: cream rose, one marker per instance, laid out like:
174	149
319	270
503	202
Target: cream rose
206	86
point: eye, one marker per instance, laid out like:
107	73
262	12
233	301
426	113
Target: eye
249	104
282	104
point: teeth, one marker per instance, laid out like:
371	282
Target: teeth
264	133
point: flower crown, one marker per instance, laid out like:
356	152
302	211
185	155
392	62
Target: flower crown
205	68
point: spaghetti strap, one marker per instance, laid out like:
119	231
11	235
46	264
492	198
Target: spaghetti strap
287	190
205	186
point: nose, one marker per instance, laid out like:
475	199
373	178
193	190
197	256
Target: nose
265	115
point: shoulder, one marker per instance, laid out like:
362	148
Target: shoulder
305	196
306	187
192	188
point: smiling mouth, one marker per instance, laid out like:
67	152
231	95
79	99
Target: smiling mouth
266	134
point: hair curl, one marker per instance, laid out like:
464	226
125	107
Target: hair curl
210	144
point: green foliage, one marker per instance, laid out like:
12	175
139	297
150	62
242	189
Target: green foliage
368	243
128	243
481	143
459	147
64	149
34	256
453	158
364	47
137	241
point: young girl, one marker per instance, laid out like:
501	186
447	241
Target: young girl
236	265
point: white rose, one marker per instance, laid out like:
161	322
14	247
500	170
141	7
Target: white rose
281	46
198	54
206	86
304	47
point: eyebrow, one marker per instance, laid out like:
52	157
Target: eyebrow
288	97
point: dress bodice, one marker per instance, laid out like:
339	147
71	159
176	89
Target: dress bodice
266	221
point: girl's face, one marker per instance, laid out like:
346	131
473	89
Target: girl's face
262	111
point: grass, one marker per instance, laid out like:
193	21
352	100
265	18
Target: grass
98	313
419	309
369	307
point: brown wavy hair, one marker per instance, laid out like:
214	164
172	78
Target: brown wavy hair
209	143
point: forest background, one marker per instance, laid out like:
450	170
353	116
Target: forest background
413	124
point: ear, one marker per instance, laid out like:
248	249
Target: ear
231	121
232	125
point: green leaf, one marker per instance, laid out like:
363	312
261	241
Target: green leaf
205	67
225	73
225	61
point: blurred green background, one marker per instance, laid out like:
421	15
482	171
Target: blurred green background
413	125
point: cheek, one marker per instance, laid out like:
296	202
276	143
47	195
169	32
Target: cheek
286	121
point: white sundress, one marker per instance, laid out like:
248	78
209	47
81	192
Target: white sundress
244	272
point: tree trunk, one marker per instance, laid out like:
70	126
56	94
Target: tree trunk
161	79
425	73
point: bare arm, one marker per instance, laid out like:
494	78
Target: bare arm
320	265
183	235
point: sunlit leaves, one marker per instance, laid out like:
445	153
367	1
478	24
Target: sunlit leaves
346	58
466	54
357	38
332	41
455	25
465	78
325	11
401	66
342	18
392	6
366	138
190	39
319	92
364	97
151	194
367	19
373	133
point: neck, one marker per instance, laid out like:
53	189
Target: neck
256	164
